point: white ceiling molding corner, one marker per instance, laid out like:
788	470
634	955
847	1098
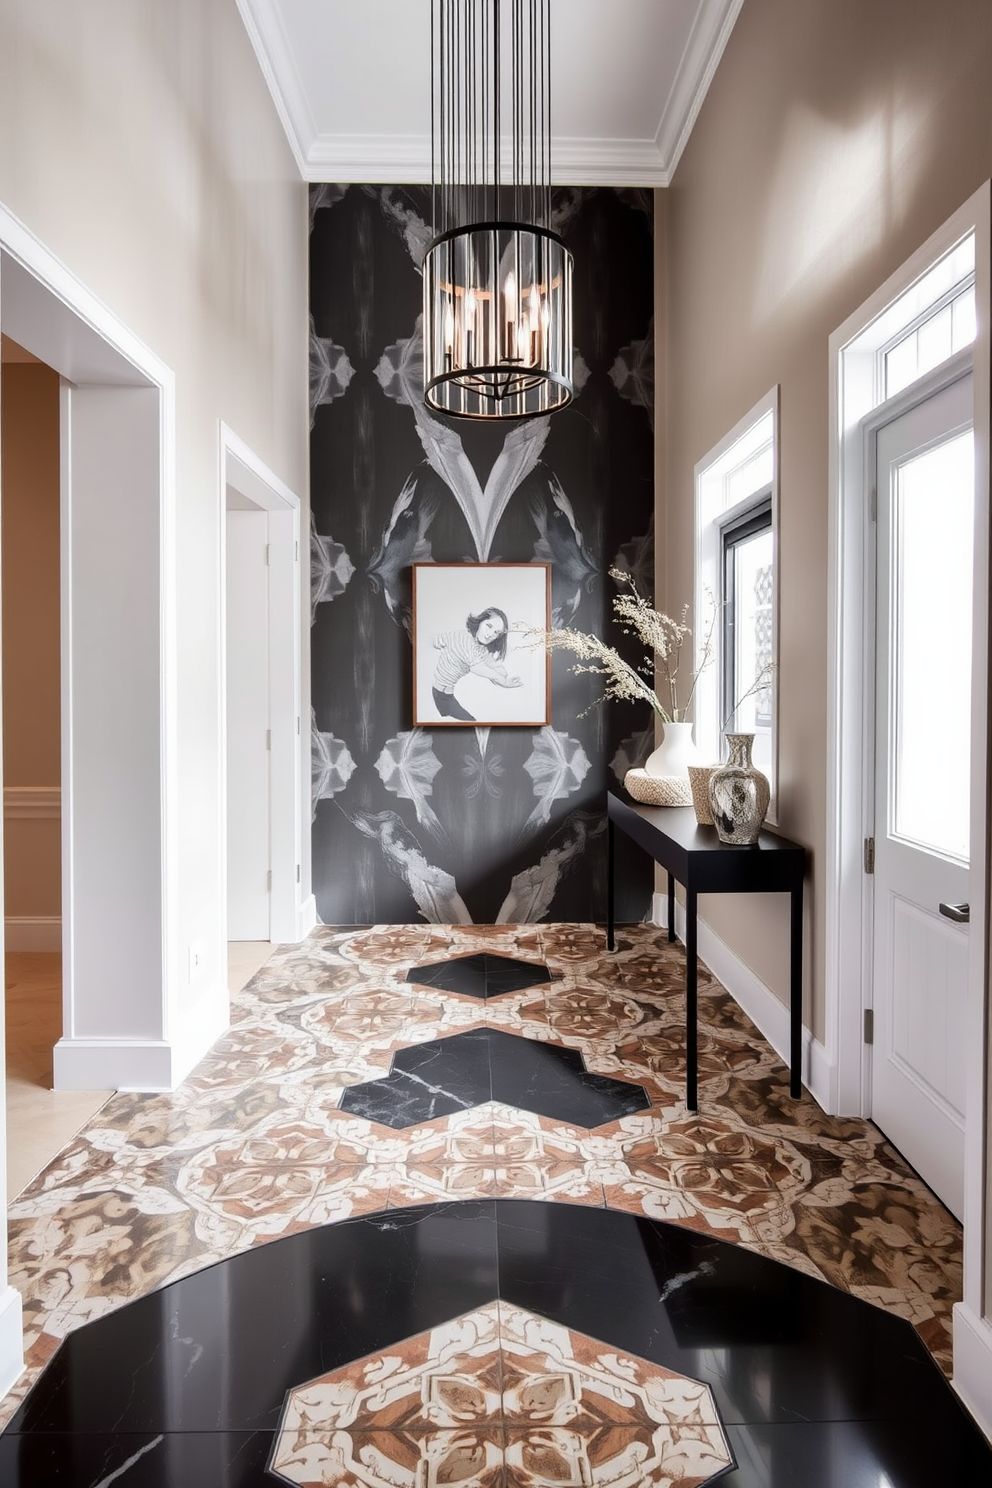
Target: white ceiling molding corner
267	34
600	162
709	36
384	159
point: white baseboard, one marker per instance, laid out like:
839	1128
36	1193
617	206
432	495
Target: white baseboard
973	1364
11	1338
306	917
142	1064
32	932
767	1013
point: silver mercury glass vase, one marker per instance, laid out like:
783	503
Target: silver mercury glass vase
739	795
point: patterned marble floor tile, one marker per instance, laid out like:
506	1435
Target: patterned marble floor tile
276	1181
500	1396
255	1145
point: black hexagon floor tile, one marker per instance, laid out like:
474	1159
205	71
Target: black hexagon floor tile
453	1074
482	975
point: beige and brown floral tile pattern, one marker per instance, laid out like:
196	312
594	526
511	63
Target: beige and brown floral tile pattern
500	1396
254	1146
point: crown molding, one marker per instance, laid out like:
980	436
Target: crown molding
597	162
271	46
406	159
401	160
700	60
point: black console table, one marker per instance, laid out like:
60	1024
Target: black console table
696	858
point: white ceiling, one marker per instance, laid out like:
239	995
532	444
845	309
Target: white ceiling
351	81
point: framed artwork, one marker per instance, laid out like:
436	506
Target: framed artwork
474	664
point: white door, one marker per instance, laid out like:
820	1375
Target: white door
925	519
248	726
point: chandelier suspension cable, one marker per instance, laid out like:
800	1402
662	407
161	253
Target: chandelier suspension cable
497	278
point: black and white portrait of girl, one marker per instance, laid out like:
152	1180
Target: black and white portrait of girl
474	663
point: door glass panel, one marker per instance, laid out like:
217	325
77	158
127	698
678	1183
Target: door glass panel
931	723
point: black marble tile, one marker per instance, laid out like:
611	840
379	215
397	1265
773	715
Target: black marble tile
554	1082
217	1350
504	974
426	1081
465	974
139	1460
774	1344
482	975
453	1074
857	1454
183	1388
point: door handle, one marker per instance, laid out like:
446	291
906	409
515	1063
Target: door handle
959	913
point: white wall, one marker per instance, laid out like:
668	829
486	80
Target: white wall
138	142
140	148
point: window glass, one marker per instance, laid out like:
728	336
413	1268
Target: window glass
932	713
948	328
747	624
736	556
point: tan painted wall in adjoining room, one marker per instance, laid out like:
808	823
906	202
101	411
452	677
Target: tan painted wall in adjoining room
834	139
29	543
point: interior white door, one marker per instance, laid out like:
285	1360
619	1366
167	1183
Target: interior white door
248	723
924	546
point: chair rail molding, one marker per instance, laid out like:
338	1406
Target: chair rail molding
32	802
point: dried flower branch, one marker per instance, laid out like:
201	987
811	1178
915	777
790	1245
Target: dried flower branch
761	681
662	638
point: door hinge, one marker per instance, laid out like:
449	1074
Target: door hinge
869	855
297	873
268	738
873	503
268	555
296	552
869	1025
268	880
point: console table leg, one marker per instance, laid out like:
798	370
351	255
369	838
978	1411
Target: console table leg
691	1049
610	926
796	993
671	907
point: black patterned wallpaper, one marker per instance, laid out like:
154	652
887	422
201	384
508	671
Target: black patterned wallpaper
464	825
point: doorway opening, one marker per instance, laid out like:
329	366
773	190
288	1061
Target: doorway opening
40	1121
261	719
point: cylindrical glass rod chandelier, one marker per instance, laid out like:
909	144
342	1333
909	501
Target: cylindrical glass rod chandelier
497	279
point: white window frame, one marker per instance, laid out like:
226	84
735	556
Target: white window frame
756	433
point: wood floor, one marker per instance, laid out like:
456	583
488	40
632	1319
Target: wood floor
40	1120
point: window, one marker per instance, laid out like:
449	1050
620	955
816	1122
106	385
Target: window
945	329
735	585
746	626
922	327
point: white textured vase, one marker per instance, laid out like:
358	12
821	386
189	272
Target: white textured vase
674	754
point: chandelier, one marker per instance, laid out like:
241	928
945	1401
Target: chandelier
497	279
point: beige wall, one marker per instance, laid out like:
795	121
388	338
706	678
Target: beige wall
139	143
836	136
29	543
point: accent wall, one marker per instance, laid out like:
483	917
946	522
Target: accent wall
469	824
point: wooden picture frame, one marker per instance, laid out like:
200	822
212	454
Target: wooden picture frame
476	661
